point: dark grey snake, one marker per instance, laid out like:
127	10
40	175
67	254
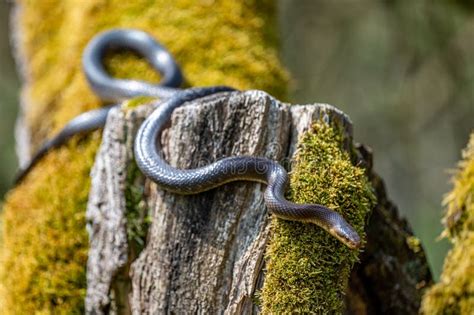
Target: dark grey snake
111	89
148	150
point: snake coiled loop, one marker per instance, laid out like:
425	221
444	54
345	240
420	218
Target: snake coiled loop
113	89
110	89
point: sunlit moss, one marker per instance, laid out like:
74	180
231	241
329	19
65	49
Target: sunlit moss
307	269
44	243
136	101
242	35
454	294
43	249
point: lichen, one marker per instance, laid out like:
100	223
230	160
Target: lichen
44	243
454	294
307	269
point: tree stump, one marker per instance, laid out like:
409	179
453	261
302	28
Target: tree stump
204	253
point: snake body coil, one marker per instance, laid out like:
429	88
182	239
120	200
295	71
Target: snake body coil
148	156
110	89
147	148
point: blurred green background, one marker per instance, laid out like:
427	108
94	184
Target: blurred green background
9	85
402	69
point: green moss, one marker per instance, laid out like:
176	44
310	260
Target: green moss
137	212
307	269
454	294
414	243
44	247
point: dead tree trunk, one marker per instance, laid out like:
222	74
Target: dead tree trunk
204	253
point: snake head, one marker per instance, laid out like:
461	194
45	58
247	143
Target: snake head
344	232
337	226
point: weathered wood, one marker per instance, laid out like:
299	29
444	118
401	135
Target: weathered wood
106	209
204	252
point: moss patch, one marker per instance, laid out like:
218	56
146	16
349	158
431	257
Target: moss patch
43	249
44	246
137	213
454	294
136	101
307	269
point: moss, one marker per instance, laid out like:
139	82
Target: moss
454	294
414	243
137	212
44	245
136	101
43	249
307	269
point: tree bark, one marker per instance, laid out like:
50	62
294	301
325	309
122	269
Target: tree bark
107	209
204	253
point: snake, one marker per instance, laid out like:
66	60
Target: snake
111	89
148	155
148	151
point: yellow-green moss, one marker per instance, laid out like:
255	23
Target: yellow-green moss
454	294
215	42
43	248
136	101
44	244
307	269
